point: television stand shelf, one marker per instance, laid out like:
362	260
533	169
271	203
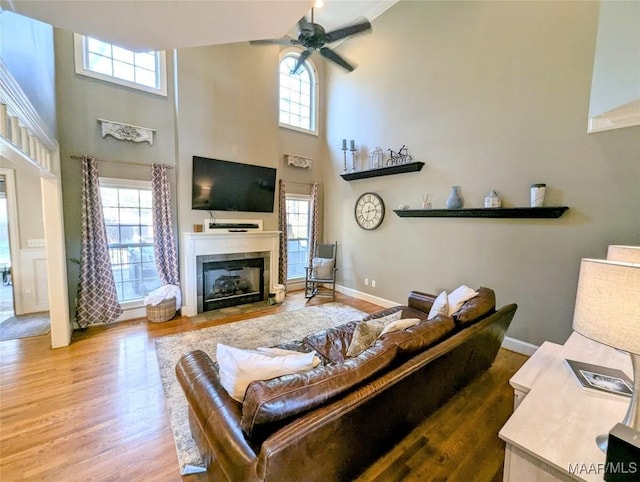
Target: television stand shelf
383	171
522	212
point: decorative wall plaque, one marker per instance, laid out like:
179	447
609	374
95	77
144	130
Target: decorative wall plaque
126	132
298	161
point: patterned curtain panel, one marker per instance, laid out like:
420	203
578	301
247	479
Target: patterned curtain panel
97	296
282	227
313	222
164	242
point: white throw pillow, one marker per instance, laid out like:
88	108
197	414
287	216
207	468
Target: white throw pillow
238	368
459	296
440	306
400	325
322	268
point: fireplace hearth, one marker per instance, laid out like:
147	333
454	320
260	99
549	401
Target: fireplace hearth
232	282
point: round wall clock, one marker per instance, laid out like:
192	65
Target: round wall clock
369	210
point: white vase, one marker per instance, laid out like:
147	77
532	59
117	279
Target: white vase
537	195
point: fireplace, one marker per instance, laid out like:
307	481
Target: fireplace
232	282
201	248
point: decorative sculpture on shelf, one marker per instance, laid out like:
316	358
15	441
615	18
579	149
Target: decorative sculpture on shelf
376	158
400	157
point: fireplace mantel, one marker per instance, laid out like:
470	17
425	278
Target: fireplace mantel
202	244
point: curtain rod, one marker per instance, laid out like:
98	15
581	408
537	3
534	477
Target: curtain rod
79	158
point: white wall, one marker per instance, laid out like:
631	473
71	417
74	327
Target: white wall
490	95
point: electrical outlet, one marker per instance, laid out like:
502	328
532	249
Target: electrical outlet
373	283
366	281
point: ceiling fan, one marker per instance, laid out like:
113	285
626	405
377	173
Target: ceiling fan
313	37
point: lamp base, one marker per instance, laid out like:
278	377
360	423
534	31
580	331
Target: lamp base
632	418
602	441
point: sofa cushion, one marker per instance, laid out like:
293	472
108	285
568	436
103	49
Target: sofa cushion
332	343
269	401
477	307
458	297
421	336
407	312
398	325
238	368
440	306
366	332
322	268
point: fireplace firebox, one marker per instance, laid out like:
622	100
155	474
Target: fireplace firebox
232	282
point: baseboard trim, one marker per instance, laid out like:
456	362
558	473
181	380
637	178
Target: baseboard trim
366	297
519	346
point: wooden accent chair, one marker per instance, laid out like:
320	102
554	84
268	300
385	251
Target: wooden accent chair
320	278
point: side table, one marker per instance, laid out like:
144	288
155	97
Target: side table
551	434
524	378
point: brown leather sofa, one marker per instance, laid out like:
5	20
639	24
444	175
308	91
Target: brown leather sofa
331	423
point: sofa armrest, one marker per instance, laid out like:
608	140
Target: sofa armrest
421	301
217	416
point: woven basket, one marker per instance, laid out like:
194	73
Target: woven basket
163	311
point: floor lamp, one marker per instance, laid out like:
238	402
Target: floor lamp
608	311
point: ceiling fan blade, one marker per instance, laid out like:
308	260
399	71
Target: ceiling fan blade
305	27
331	55
275	41
343	32
303	56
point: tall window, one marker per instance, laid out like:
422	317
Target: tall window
298	94
127	215
298	212
141	70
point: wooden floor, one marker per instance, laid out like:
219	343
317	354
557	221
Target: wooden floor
95	411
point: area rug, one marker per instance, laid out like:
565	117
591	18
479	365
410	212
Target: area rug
263	331
23	326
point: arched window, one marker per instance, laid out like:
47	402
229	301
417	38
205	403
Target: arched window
298	94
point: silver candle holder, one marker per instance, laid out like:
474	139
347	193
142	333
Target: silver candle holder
344	152
353	156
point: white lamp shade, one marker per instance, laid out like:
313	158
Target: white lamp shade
608	303
629	254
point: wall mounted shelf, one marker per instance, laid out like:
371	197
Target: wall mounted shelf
383	171
524	212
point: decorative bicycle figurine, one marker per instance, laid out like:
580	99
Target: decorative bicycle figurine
400	157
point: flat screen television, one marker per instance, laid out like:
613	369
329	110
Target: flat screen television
232	186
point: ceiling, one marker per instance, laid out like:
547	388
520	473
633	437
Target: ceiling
161	24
